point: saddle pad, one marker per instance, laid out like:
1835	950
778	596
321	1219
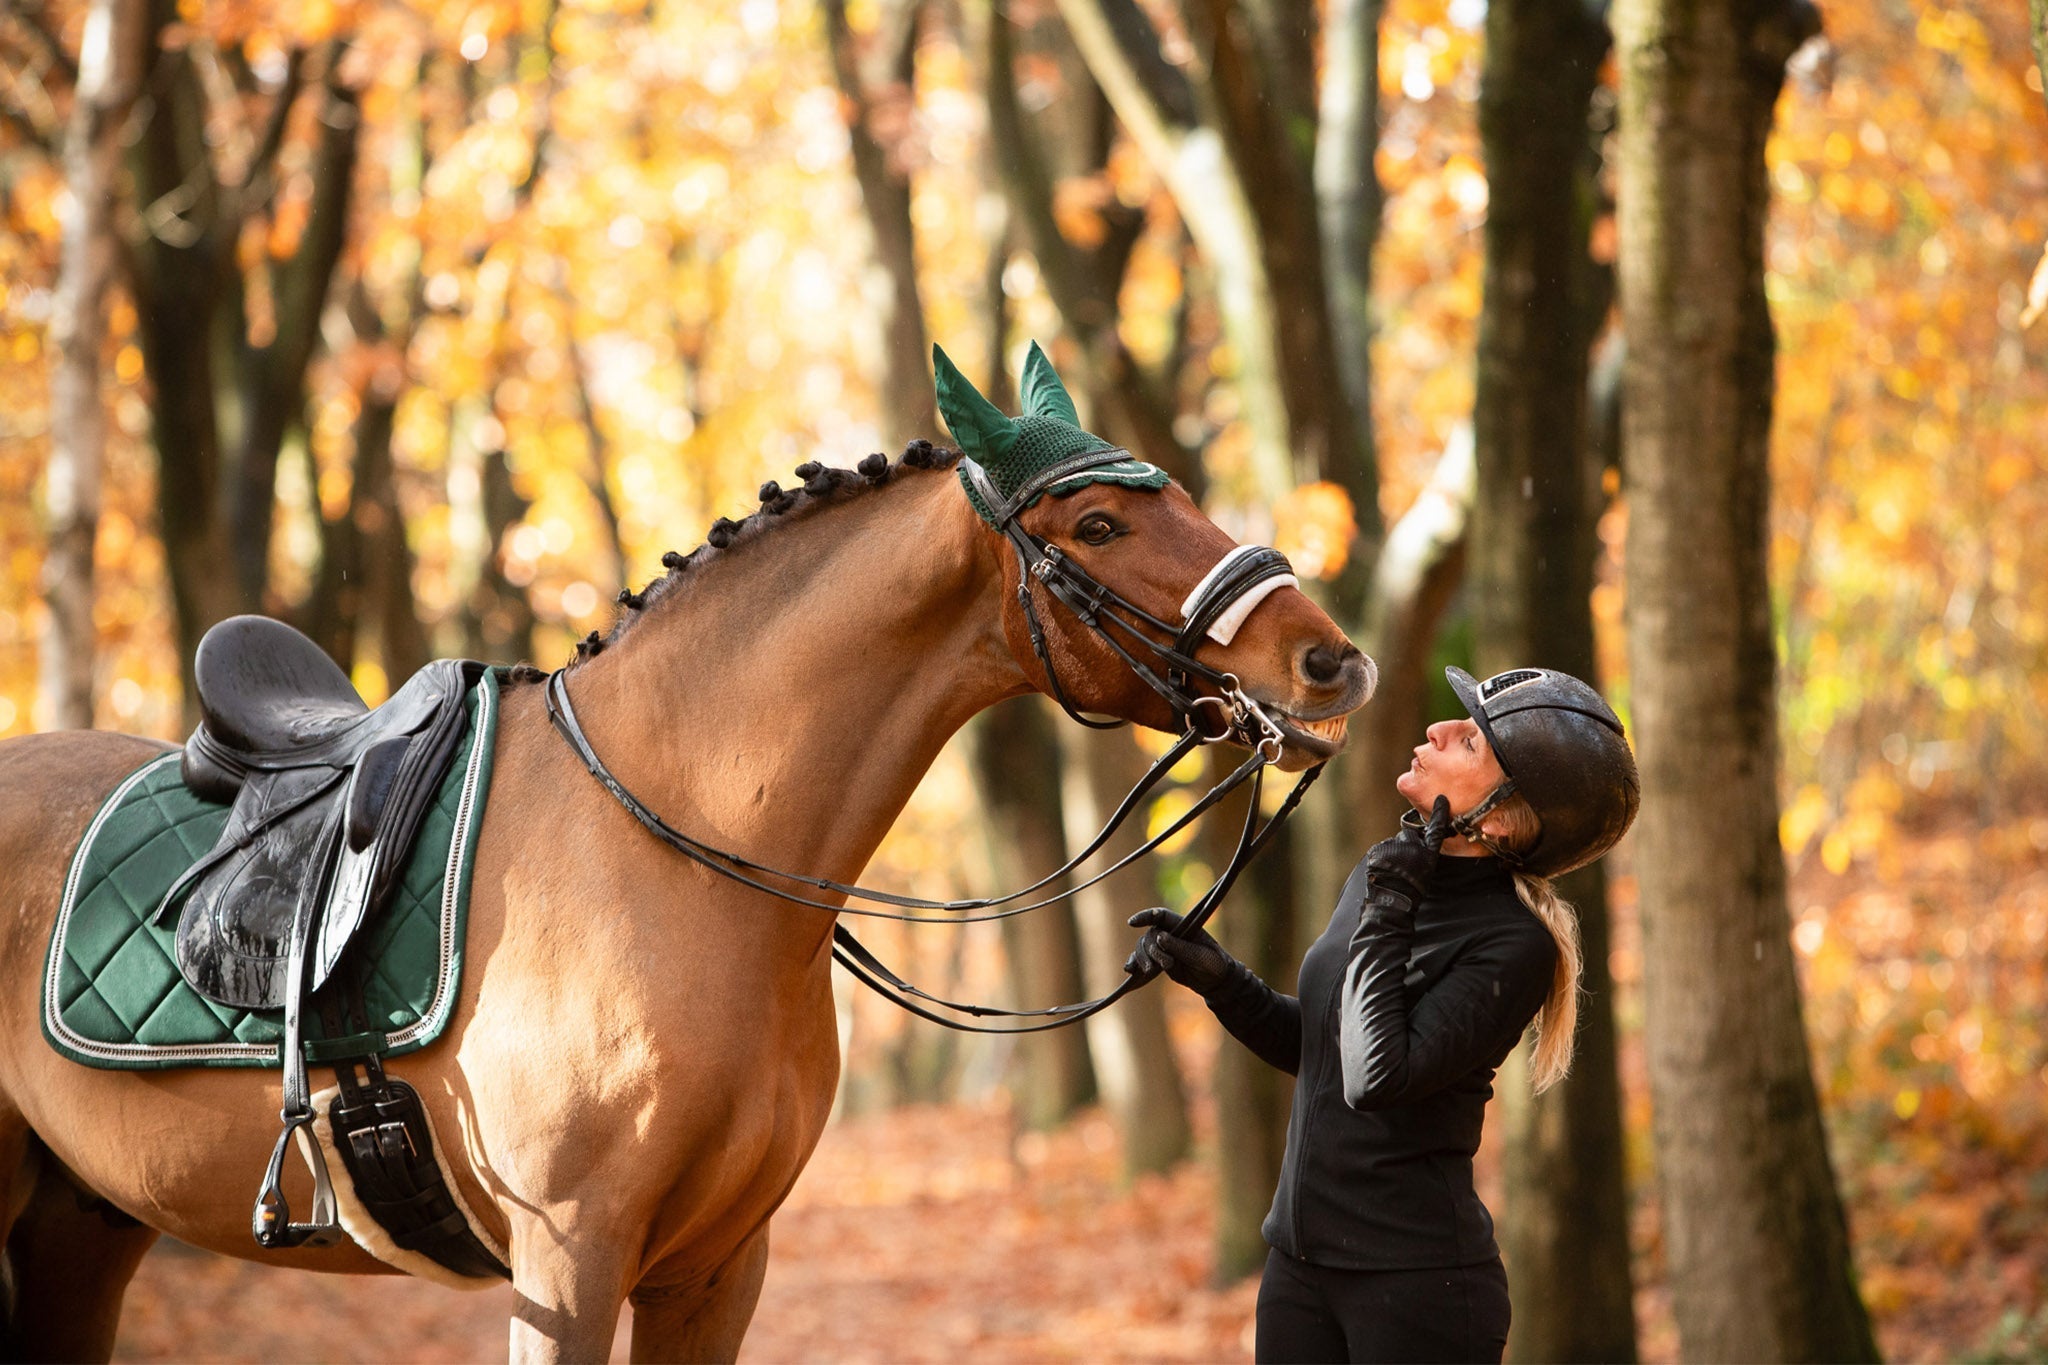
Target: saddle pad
112	994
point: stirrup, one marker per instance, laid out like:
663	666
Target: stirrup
272	1221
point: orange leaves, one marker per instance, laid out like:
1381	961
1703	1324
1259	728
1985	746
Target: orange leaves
1314	526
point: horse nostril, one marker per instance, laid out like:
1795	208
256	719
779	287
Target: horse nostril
1324	664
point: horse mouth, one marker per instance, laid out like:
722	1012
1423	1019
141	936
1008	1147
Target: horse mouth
1311	740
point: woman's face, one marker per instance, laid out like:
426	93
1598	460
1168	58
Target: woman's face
1454	761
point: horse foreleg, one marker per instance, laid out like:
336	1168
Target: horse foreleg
707	1322
566	1296
72	1255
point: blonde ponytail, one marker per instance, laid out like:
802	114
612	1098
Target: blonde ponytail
1515	827
1558	1021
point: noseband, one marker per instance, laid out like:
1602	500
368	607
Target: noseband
1238	580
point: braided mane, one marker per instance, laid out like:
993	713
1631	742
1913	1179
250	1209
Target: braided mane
820	487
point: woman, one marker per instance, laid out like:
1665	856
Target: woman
1445	945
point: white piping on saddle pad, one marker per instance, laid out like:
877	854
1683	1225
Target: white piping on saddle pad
371	1237
1224	628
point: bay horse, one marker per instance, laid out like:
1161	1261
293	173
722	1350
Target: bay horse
643	1055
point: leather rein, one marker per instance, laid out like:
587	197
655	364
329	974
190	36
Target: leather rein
1099	608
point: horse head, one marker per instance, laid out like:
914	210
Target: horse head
1153	547
1123	599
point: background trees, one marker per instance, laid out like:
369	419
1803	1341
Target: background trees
431	327
1758	1244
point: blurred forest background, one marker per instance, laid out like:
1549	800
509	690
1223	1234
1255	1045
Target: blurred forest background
430	327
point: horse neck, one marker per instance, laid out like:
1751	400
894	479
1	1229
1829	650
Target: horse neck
783	700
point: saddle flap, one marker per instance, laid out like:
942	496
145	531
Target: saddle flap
235	931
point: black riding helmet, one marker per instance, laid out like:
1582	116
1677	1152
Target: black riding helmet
1562	748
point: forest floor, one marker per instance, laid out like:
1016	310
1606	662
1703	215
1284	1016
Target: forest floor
930	1233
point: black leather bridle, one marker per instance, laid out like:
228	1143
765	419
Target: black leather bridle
1100	608
1097	607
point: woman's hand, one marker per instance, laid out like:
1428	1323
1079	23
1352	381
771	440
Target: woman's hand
1405	865
1197	961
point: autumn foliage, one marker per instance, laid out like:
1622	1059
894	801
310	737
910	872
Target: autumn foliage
605	266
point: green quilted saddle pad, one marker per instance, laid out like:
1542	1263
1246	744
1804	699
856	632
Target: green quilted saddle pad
112	994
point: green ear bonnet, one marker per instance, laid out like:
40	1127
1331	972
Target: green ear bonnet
1011	450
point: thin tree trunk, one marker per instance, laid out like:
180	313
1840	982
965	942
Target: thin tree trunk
180	271
1417	573
1015	756
506	628
600	454
1083	285
1756	1240
1133	1055
2040	36
1159	109
1564	1228
1348	198
908	409
109	66
1257	926
1260	78
273	377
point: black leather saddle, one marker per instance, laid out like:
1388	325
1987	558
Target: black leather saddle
325	800
327	797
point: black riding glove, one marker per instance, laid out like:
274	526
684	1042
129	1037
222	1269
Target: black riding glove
1405	865
1197	961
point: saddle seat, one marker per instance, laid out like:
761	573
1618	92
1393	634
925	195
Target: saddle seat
266	689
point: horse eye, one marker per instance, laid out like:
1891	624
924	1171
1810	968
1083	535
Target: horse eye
1096	529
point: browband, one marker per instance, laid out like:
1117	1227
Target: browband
1003	510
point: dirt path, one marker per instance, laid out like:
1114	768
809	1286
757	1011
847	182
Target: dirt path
918	1235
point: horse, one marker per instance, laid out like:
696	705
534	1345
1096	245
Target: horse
643	1055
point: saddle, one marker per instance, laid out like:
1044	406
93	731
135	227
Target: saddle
326	798
325	802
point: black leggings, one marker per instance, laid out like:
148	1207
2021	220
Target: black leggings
1312	1313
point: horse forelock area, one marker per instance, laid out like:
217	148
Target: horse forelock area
821	487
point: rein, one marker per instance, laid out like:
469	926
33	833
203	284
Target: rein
1237	574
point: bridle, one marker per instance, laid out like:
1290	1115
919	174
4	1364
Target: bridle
1099	607
1239	573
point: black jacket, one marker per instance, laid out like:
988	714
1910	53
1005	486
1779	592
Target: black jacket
1401	1022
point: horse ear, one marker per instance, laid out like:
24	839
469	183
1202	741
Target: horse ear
1044	395
977	424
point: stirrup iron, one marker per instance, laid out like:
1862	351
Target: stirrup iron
272	1221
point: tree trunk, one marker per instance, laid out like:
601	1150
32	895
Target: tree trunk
1158	108
1756	1239
272	377
1412	580
1564	1229
1015	756
1258	56
1253	1100
908	409
109	66
1132	1053
2040	36
180	269
505	629
1348	207
1126	402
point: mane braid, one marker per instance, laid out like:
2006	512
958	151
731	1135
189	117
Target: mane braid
821	486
